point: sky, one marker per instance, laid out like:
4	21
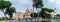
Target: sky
21	5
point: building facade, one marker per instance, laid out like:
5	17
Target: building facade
20	15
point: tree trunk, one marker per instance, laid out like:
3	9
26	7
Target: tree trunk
44	15
33	9
10	18
38	14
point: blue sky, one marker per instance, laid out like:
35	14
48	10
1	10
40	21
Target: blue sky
21	5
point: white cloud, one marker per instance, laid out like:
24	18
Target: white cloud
57	2
21	5
51	0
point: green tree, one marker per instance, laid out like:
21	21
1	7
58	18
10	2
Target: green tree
37	4
3	18
3	5
57	16
47	9
35	15
43	13
10	11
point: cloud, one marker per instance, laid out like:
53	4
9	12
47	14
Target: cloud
51	0
58	2
52	4
21	5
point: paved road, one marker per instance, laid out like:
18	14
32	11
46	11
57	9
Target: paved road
21	21
54	20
